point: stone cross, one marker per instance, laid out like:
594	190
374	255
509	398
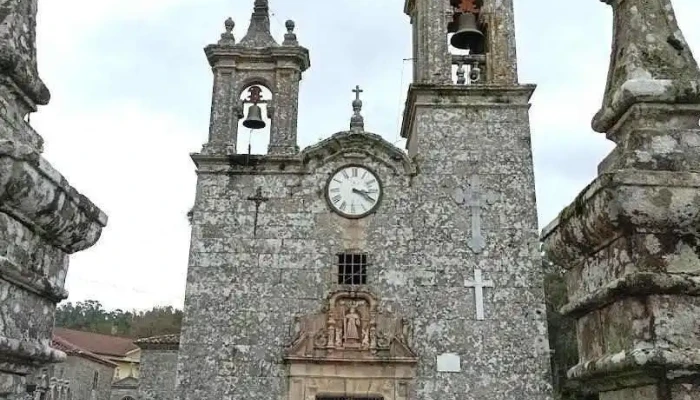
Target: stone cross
476	201
258	199
357	122
357	92
479	284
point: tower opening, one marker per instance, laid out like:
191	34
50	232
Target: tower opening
255	125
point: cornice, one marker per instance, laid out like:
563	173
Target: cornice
37	195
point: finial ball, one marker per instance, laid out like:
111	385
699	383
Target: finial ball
229	24
290	25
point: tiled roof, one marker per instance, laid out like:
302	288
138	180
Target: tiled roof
162	341
71	349
103	345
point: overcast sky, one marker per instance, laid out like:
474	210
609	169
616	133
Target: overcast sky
131	93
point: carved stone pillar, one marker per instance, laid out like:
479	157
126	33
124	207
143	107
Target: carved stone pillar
630	239
42	218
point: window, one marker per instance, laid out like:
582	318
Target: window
95	378
352	269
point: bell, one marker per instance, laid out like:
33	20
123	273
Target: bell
467	34
254	120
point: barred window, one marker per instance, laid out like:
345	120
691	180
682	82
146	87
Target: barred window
352	269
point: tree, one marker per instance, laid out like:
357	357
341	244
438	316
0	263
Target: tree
90	316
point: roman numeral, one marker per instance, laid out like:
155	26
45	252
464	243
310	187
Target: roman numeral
352	208
343	205
335	190
354	172
372	190
363	175
371	182
337	198
337	180
345	174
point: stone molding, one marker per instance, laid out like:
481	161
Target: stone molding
471	96
31	281
21	351
33	192
634	284
621	203
641	366
345	143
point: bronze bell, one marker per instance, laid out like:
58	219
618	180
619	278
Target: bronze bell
467	34
254	120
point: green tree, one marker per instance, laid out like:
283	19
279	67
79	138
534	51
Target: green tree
90	316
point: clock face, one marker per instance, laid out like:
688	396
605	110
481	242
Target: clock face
354	191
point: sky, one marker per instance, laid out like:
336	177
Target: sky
131	93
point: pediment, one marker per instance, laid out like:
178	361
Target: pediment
351	328
354	144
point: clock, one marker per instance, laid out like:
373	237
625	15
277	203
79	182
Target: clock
354	191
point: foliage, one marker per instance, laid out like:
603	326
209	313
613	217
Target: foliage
90	316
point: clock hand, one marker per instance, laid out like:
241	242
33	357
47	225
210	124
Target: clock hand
364	194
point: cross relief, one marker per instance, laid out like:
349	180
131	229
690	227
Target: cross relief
476	200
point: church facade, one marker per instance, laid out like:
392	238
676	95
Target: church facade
355	269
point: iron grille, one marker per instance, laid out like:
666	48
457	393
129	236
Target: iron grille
352	269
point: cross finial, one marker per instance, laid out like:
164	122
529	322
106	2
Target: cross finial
357	122
357	92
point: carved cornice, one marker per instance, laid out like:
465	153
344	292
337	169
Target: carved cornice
462	96
623	203
351	328
29	352
636	367
346	143
631	285
362	144
34	193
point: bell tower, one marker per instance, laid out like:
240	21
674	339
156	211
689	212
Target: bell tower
240	70
474	222
485	28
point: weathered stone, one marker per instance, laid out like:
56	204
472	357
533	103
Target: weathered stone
42	218
258	60
158	367
629	239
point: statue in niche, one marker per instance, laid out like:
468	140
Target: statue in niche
351	327
352	324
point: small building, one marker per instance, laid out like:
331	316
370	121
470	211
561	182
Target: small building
125	389
88	375
119	350
158	367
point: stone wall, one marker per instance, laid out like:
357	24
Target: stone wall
157	376
80	373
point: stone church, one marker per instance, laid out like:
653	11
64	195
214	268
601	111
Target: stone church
353	269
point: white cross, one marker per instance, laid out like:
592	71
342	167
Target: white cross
476	201
479	284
